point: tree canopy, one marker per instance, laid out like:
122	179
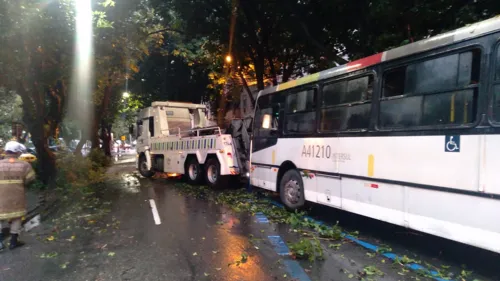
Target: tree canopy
176	50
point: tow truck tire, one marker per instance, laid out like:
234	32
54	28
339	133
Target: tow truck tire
292	190
193	171
143	167
212	173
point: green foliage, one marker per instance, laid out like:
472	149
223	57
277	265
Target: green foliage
405	260
243	259
37	185
382	249
371	272
76	172
307	248
99	159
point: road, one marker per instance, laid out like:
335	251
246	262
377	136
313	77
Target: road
154	231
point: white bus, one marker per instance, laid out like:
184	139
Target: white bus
410	136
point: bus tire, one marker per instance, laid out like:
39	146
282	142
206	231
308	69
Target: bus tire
292	190
193	171
143	167
212	173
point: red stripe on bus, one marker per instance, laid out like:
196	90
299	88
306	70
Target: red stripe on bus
365	62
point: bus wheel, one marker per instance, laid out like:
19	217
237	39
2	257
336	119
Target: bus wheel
212	173
193	171
292	190
143	167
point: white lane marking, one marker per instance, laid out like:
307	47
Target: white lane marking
156	216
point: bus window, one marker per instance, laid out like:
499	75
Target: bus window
301	101
356	88
332	93
350	109
300	112
497	72
432	92
496	102
394	82
496	88
266	117
432	75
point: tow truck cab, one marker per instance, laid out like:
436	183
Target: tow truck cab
167	119
172	138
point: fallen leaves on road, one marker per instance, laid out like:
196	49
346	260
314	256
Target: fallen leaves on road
64	265
244	259
335	246
49	255
111	254
195	254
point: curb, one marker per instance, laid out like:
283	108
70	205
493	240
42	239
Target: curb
44	209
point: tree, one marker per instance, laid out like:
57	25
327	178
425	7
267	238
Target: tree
35	59
121	42
375	26
10	112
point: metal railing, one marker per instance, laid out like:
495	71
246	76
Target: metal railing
197	130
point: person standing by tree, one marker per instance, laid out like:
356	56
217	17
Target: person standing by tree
14	176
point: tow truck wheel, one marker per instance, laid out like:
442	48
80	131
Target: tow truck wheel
143	167
212	173
194	173
292	190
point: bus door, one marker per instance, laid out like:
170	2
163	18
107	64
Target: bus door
328	179
264	148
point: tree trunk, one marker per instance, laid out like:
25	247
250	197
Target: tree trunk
106	144
106	139
273	70
259	72
46	158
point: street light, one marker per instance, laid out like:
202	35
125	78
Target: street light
229	59
125	95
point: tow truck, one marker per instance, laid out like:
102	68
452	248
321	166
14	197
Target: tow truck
173	138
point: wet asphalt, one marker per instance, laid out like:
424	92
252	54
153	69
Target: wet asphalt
197	239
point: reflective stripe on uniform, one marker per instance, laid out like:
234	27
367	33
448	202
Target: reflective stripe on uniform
31	175
11	181
12	215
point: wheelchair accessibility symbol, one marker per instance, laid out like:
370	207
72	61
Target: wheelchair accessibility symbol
452	143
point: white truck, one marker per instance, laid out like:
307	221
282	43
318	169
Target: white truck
172	138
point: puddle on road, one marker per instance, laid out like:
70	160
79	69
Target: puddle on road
129	183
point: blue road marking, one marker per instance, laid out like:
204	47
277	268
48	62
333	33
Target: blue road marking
391	256
279	245
277	204
293	268
296	271
261	218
